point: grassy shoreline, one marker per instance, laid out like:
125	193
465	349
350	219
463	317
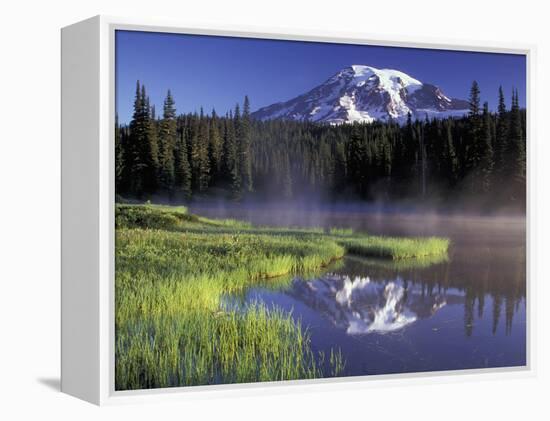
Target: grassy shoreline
173	268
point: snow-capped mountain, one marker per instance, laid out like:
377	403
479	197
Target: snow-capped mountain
365	94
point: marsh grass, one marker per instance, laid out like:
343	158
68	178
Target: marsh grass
396	248
401	264
198	347
173	270
171	329
340	231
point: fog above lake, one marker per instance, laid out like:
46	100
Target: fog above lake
373	218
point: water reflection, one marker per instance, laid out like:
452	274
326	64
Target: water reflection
360	306
493	276
362	296
464	310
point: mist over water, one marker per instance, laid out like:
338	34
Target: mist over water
465	311
375	218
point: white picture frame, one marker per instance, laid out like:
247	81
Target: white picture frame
88	212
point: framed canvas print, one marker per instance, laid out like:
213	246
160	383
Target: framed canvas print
252	210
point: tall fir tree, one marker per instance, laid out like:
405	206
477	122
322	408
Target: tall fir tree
287	178
229	160
451	161
167	141
132	157
486	151
357	154
474	143
119	154
183	168
215	147
386	153
141	174
474	100
422	158
234	158
244	141
194	150
203	155
475	124
501	139
154	144
517	151
148	148
340	166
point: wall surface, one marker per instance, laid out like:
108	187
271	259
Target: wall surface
30	180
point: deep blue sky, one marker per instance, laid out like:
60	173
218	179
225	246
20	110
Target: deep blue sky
216	72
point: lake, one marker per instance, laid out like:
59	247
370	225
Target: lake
463	312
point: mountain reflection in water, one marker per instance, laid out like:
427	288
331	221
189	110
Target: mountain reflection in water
360	306
464	311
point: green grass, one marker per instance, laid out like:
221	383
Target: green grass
341	231
401	264
172	272
396	248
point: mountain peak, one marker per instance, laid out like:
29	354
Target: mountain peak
364	93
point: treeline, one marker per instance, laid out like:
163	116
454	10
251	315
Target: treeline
182	155
481	156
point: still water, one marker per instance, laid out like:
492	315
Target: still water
466	311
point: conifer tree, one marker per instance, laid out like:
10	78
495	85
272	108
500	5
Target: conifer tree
340	166
141	174
386	153
154	145
473	147
451	162
408	155
203	155
167	140
215	147
501	141
474	100
230	164
149	172
119	154
486	151
422	157
287	178
517	150
195	150
474	143
183	168
244	147
234	158
358	157
326	165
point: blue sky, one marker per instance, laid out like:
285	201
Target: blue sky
217	72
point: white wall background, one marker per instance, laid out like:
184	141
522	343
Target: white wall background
29	206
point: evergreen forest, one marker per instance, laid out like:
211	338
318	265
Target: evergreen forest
477	160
